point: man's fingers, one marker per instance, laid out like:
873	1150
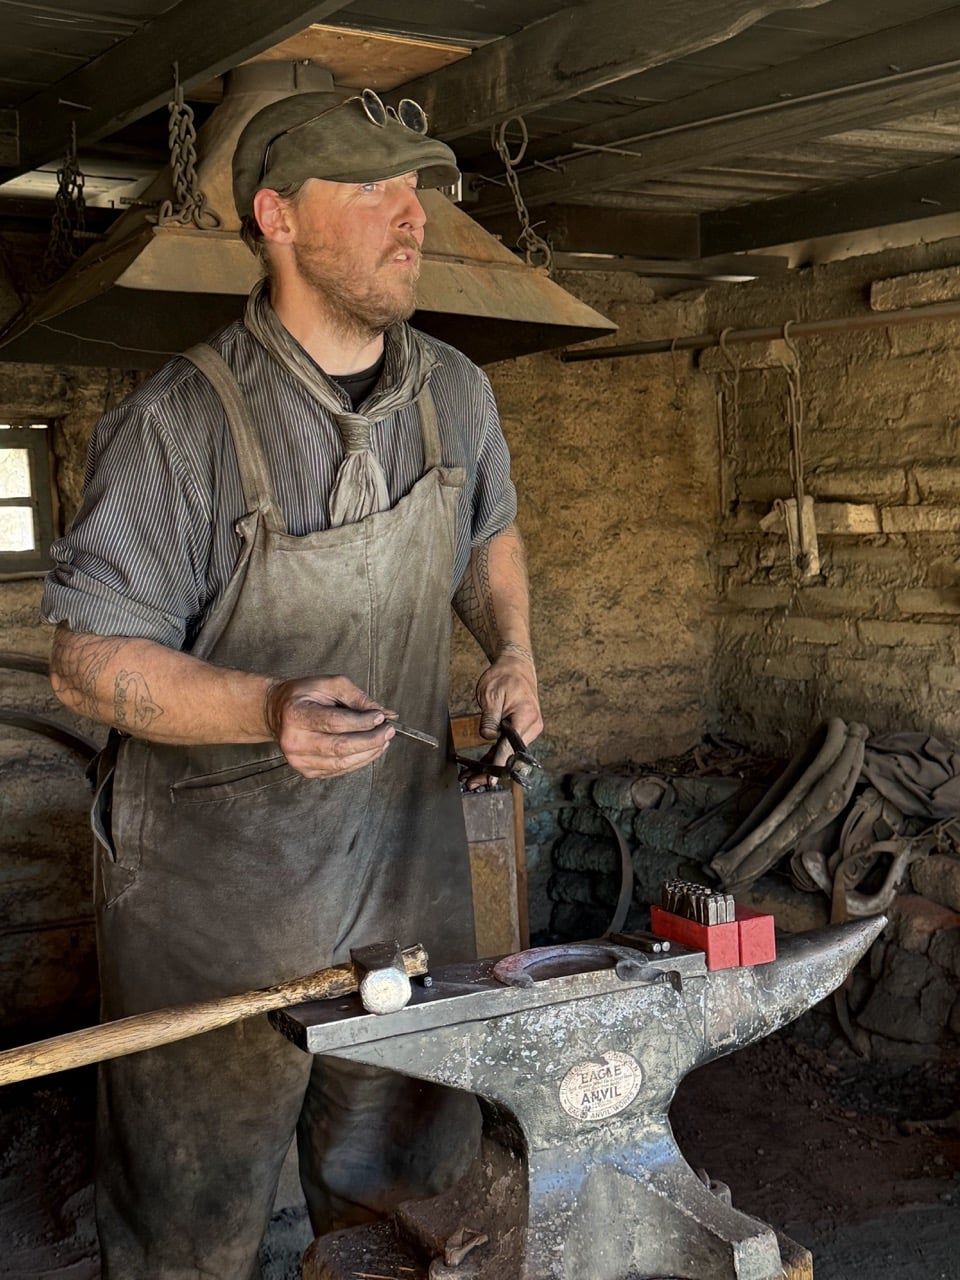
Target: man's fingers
329	748
314	764
344	691
527	721
491	712
315	717
309	768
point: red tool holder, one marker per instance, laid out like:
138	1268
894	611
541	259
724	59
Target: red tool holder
748	940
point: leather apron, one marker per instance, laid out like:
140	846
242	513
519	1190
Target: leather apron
222	870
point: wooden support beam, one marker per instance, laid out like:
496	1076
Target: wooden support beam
576	51
925	191
580	228
732	267
134	77
898	71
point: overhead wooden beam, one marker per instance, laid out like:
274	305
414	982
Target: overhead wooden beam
134	77
576	51
925	191
731	267
898	71
580	228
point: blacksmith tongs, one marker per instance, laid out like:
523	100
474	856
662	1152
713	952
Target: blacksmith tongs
520	766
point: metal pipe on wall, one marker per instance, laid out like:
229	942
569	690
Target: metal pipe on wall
936	311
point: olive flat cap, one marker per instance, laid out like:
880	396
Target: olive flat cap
311	135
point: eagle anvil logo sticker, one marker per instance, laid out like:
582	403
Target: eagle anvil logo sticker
600	1087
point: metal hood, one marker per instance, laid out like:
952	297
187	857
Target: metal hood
148	291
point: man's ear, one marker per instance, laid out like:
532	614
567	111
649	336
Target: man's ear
274	216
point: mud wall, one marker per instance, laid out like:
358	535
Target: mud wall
47	964
617	491
875	636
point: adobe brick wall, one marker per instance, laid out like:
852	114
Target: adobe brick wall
876	638
617	481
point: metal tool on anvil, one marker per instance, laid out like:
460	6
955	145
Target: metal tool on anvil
520	766
579	1174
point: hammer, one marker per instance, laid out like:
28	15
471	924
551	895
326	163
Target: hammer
381	973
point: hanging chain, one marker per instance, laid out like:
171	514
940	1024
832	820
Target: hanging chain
536	251
69	214
189	206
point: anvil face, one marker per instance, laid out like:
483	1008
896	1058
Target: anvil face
576	1074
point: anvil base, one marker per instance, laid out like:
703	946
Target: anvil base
410	1246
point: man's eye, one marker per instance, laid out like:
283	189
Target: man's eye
369	186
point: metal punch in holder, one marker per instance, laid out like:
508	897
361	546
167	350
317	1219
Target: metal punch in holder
697	902
520	766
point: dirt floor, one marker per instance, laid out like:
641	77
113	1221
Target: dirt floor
860	1162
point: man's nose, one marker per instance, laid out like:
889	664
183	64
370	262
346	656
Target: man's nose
411	215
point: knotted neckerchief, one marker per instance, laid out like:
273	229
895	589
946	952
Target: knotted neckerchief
360	487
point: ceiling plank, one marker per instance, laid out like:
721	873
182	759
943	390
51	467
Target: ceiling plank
580	228
134	77
576	51
926	191
894	72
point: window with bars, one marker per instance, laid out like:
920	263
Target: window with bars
26	497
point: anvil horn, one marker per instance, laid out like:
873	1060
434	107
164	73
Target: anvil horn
739	1009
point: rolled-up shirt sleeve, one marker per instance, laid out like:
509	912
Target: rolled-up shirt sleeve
494	495
133	561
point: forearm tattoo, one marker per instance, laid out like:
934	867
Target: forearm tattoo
77	665
473	602
133	707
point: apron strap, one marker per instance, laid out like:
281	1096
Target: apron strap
429	428
254	474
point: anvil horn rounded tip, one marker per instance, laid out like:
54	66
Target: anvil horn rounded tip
744	1005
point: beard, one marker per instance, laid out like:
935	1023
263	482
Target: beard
358	302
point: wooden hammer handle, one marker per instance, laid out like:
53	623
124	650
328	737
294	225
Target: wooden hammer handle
164	1026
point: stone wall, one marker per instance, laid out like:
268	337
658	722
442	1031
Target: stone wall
617	503
47	964
874	638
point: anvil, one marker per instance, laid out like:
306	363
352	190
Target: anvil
579	1176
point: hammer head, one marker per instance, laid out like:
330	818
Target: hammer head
382	976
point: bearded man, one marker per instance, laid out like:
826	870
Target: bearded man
258	579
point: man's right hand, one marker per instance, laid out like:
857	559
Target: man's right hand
326	726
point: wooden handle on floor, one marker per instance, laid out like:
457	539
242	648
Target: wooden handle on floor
164	1026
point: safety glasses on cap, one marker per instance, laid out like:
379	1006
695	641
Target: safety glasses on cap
409	113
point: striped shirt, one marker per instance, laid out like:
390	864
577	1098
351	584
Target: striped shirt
155	542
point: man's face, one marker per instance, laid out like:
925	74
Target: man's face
358	246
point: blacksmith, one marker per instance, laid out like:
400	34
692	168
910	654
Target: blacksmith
261	572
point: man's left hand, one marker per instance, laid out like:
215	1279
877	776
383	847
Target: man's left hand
507	690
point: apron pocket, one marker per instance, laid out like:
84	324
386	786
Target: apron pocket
231	784
115	877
